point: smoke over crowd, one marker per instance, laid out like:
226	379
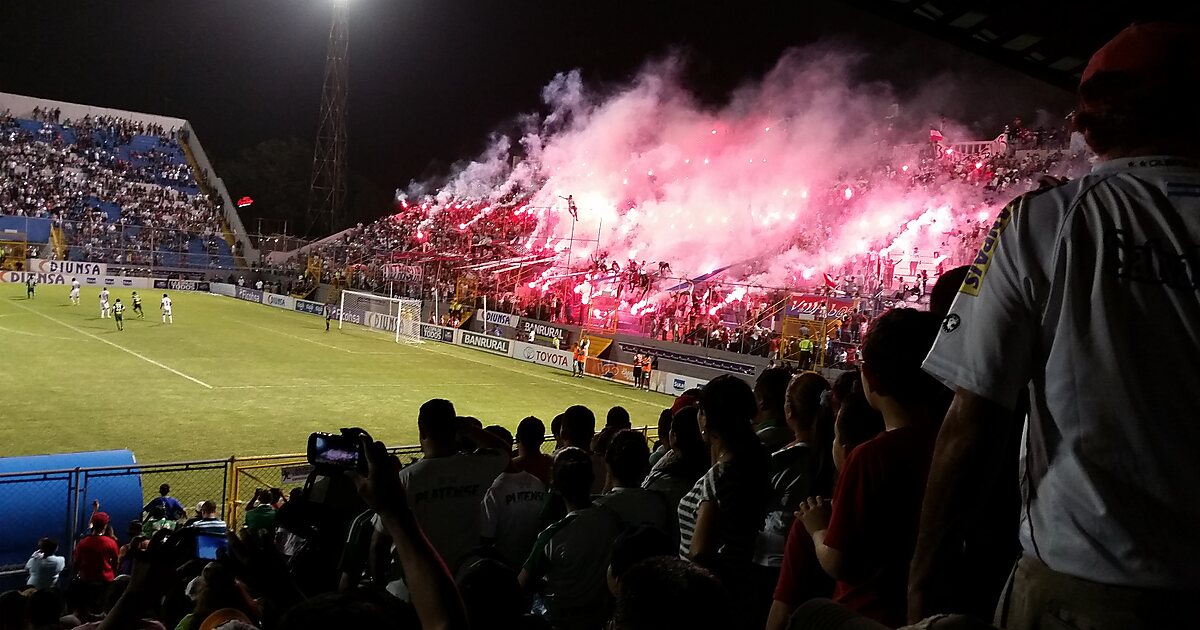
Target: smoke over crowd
797	173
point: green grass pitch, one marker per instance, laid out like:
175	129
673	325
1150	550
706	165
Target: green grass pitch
236	378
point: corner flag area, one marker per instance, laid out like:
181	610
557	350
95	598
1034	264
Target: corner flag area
235	377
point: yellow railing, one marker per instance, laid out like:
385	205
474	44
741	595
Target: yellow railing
58	240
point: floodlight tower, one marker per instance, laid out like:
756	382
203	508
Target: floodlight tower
327	192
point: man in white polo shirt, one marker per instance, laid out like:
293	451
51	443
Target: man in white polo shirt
1071	286
445	487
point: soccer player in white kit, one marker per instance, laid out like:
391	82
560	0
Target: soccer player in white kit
75	291
104	303
165	307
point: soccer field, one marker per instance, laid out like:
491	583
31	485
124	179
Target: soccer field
236	378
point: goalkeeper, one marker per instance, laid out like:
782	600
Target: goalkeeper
328	315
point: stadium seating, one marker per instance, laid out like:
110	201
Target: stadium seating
123	192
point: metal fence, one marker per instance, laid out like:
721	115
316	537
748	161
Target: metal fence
59	503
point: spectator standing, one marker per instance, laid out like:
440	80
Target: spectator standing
95	557
172	508
628	460
569	561
44	565
531	434
578	429
508	514
156	520
663	444
445	487
616	420
1108	525
801	576
770	391
865	541
676	473
659	593
720	517
207	520
793	470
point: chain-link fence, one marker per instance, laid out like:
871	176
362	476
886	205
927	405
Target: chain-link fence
59	504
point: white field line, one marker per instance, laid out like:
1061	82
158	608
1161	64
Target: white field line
429	347
347	386
115	345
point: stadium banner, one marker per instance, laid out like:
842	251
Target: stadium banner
495	345
182	285
437	333
378	321
128	282
610	370
674	384
310	307
724	365
286	302
541	355
66	267
546	332
222	288
402	273
809	306
501	319
250	295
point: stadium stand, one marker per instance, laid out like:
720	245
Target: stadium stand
126	189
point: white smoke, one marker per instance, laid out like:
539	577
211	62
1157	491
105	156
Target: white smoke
661	177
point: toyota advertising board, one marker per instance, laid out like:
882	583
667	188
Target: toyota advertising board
541	355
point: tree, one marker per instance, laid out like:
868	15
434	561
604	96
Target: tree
275	173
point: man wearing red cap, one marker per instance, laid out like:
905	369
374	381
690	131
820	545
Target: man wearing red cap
1069	283
95	556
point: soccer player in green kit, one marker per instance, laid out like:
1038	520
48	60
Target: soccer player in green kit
137	306
119	314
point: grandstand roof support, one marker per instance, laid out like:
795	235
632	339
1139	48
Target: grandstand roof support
327	193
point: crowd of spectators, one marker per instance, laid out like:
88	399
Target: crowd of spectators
115	203
486	529
447	237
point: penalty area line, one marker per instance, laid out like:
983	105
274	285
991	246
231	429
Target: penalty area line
305	339
117	346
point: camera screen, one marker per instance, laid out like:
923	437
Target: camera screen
334	451
207	546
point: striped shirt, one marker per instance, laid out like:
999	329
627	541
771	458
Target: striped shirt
118	309
741	494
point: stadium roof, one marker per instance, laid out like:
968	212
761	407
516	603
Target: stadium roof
1051	41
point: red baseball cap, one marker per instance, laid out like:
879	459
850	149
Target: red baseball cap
100	519
682	401
1153	49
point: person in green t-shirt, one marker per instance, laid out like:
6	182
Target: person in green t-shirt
156	520
260	512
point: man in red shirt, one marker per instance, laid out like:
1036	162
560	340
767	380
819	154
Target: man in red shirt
865	539
95	556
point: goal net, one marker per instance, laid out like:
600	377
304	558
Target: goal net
398	316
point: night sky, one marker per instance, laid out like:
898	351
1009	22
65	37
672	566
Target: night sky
430	78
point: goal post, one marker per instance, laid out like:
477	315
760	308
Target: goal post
400	317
